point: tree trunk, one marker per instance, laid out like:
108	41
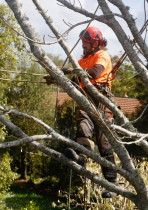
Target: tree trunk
23	164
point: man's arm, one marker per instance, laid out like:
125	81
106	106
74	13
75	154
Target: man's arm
50	81
96	71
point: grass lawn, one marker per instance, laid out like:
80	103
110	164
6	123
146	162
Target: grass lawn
24	199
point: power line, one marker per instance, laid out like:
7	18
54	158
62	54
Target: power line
17	72
27	81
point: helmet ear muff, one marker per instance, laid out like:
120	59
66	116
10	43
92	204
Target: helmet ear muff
103	42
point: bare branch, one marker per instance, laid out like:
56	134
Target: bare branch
58	156
120	33
128	168
49	129
26	81
27	38
133	135
138	118
82	171
68	87
20	72
15	112
20	134
132	25
127	132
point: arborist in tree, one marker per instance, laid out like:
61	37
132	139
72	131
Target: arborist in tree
97	63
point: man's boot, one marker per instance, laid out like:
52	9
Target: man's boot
78	157
108	194
75	156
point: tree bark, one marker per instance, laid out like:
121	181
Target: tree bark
23	161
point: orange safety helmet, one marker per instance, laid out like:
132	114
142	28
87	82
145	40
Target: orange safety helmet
92	34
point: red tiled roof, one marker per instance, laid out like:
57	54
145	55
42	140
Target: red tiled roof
62	97
128	105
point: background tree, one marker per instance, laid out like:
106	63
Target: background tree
10	50
127	82
128	170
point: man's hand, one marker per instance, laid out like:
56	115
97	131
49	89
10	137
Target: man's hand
77	71
48	79
66	70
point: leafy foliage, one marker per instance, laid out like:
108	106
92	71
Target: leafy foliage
10	43
11	48
127	82
32	99
6	175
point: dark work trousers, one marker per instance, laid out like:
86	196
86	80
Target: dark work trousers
86	127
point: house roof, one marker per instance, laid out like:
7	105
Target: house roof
128	105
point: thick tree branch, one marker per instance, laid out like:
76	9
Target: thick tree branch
54	136
82	171
100	119
56	32
66	84
58	156
25	37
57	137
132	26
127	132
119	115
122	37
140	138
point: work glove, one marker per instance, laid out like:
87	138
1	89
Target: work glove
49	80
67	70
77	70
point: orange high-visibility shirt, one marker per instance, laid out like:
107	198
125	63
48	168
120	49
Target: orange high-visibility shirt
101	57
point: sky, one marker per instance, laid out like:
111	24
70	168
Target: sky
59	14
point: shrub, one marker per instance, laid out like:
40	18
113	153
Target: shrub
6	175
